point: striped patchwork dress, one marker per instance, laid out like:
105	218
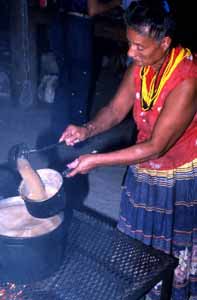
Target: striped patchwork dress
159	197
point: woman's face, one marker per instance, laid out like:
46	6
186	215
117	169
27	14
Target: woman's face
145	50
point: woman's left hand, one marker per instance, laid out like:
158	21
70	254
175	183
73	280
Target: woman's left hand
82	165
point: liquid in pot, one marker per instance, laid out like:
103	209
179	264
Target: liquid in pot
15	221
34	186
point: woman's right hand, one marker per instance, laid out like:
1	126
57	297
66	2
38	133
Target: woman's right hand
74	134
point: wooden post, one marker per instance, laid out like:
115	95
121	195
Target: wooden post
23	53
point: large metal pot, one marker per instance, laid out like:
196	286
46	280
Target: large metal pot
56	200
31	248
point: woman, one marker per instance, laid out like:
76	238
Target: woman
159	197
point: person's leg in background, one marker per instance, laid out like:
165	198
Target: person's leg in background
78	66
59	110
72	44
56	39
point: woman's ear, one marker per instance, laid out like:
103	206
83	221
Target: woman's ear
166	42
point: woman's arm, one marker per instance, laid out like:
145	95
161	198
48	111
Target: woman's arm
109	116
177	114
113	113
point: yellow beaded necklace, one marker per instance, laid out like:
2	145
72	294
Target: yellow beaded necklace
150	94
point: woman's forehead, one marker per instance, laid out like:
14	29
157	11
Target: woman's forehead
142	30
138	37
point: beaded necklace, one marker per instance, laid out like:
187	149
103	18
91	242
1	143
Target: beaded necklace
150	92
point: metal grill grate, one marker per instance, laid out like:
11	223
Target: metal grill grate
100	263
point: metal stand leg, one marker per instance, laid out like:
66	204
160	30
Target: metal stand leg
166	290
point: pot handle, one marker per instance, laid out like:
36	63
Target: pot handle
66	172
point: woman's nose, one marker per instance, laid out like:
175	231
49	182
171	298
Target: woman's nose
131	51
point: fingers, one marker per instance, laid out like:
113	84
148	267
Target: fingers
73	166
71	135
71	141
72	173
64	134
62	138
78	166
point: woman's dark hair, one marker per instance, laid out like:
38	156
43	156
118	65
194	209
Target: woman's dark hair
154	14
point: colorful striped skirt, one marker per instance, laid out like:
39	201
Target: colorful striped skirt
160	209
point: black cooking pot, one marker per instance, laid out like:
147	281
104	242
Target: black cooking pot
55	203
29	255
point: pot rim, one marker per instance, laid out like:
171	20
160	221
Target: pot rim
17	200
41	172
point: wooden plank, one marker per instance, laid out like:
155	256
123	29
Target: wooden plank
23	54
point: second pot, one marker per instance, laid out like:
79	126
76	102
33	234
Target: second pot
55	203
